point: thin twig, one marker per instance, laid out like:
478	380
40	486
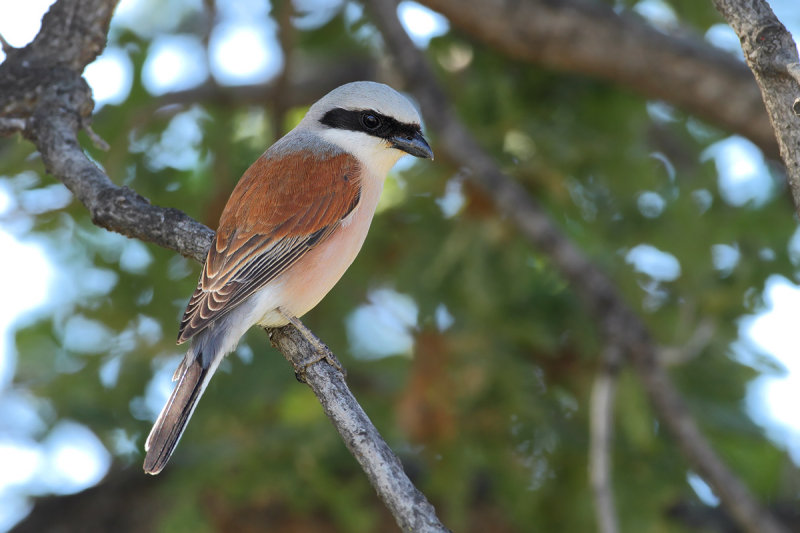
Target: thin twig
621	327
11	125
702	335
5	45
601	429
98	141
56	117
385	472
794	71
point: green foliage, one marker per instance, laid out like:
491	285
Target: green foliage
490	415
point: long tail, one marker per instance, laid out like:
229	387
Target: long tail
171	423
207	350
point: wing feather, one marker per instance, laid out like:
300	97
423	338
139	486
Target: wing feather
279	210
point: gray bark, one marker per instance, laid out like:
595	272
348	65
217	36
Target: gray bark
772	56
622	328
45	97
590	38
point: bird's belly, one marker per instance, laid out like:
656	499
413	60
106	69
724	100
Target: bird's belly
302	286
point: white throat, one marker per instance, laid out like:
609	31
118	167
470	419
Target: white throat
374	153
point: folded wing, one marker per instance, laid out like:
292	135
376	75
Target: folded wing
280	209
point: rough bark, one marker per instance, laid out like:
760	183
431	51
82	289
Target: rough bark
53	128
44	95
590	38
772	56
622	328
55	56
409	506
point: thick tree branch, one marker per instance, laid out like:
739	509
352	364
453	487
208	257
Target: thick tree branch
54	130
622	328
52	120
591	38
772	56
55	54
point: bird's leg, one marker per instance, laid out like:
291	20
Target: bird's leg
321	351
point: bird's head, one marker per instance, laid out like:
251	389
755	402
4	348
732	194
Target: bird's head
370	120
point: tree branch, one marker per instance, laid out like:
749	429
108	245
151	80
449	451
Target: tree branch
9	126
592	38
52	120
53	128
772	56
601	423
622	328
410	508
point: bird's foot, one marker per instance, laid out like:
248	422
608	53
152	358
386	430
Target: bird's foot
321	351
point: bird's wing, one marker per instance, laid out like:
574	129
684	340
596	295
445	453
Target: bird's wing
280	209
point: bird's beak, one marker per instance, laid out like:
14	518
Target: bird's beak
415	145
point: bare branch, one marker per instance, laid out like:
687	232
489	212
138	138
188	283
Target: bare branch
772	56
601	429
591	38
794	71
54	55
86	22
622	328
697	342
98	141
9	126
6	47
53	128
409	506
52	120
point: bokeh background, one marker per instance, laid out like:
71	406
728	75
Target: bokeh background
470	353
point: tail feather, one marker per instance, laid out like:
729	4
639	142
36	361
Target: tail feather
207	350
172	421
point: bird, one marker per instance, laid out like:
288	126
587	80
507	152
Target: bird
292	226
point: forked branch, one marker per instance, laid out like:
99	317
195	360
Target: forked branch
52	108
622	328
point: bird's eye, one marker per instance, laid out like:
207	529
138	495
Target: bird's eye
370	121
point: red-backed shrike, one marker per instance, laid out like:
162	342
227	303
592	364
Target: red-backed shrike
292	226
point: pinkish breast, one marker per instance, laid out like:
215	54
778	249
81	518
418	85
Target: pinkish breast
300	288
